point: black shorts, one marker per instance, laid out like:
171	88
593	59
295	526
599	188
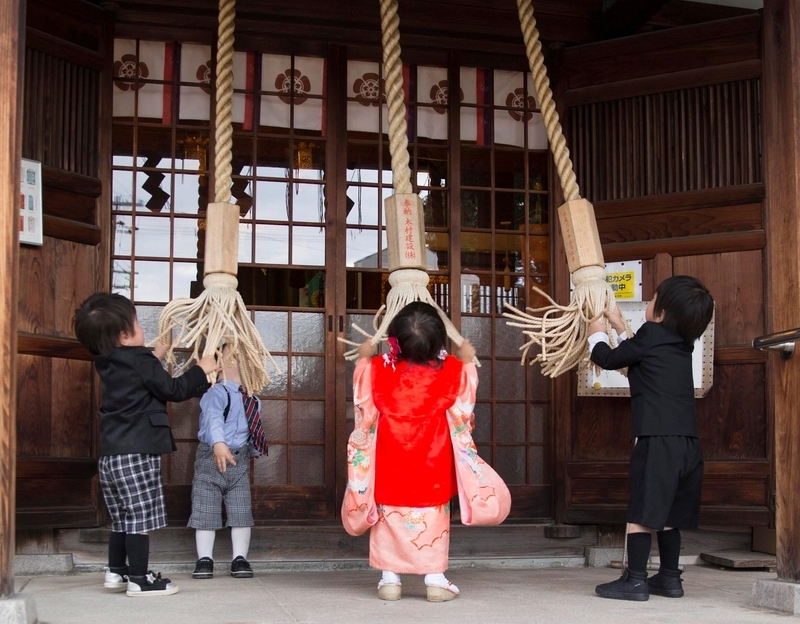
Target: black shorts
666	476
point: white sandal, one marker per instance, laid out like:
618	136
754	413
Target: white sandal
441	594
390	591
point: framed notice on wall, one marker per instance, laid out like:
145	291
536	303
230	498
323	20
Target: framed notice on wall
613	383
30	203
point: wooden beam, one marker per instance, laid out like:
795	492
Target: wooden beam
626	17
781	145
12	48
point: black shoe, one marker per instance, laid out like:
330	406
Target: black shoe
150	584
204	568
665	585
624	588
240	568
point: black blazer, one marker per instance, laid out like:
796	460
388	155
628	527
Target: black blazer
660	375
136	388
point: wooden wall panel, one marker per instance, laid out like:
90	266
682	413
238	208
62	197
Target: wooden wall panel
72	430
34	403
665	130
736	280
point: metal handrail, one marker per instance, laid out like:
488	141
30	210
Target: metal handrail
783	341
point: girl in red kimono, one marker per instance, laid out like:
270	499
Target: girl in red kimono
401	482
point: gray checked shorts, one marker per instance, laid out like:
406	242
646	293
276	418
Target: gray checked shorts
132	489
210	488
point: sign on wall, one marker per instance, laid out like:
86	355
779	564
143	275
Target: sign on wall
30	208
613	383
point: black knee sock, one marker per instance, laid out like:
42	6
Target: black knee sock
138	546
669	549
638	554
117	552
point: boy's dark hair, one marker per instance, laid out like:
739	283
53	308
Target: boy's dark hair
420	333
686	304
101	319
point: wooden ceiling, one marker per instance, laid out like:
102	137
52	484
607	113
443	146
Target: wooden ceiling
488	27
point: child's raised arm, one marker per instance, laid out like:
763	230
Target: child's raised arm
366	350
466	352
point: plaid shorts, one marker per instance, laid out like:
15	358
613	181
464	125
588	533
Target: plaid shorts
132	489
210	487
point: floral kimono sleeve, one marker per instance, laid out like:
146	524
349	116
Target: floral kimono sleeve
359	512
482	495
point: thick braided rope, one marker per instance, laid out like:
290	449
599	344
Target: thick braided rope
219	313
393	78
223	130
541	83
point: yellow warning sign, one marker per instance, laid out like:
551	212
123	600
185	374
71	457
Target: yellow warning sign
623	283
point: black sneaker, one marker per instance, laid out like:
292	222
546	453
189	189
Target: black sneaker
665	585
204	568
240	568
624	588
151	584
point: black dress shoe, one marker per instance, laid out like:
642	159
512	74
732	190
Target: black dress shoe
204	568
624	588
240	568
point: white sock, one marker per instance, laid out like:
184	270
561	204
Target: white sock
240	539
205	543
389	578
440	580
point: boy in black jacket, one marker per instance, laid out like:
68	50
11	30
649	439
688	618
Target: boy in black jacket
134	432
666	467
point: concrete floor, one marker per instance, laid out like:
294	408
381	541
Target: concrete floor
562	595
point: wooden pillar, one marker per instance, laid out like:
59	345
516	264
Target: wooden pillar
781	160
12	48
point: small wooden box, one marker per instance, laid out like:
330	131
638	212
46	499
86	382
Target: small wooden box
581	238
222	238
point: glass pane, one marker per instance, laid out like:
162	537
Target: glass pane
508	339
308	202
308	246
509	211
362	248
308	376
152	192
510	380
483	423
242	155
272	244
191	152
308	465
308	421
510	464
153	235
432	167
485	451
242	196
308	332
538	413
271	470
272	201
151	281
438	254
194	106
185	275
362	205
245	243
509	169
476	209
476	167
185	239
435	209
540	385
184	418
476	250
181	463
121	278
123	235
510	422
485	381
147	317
122	191
191	193
309	159
273	158
275	115
275	420
273	327
154	146
279	382
476	296
479	331
537	465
